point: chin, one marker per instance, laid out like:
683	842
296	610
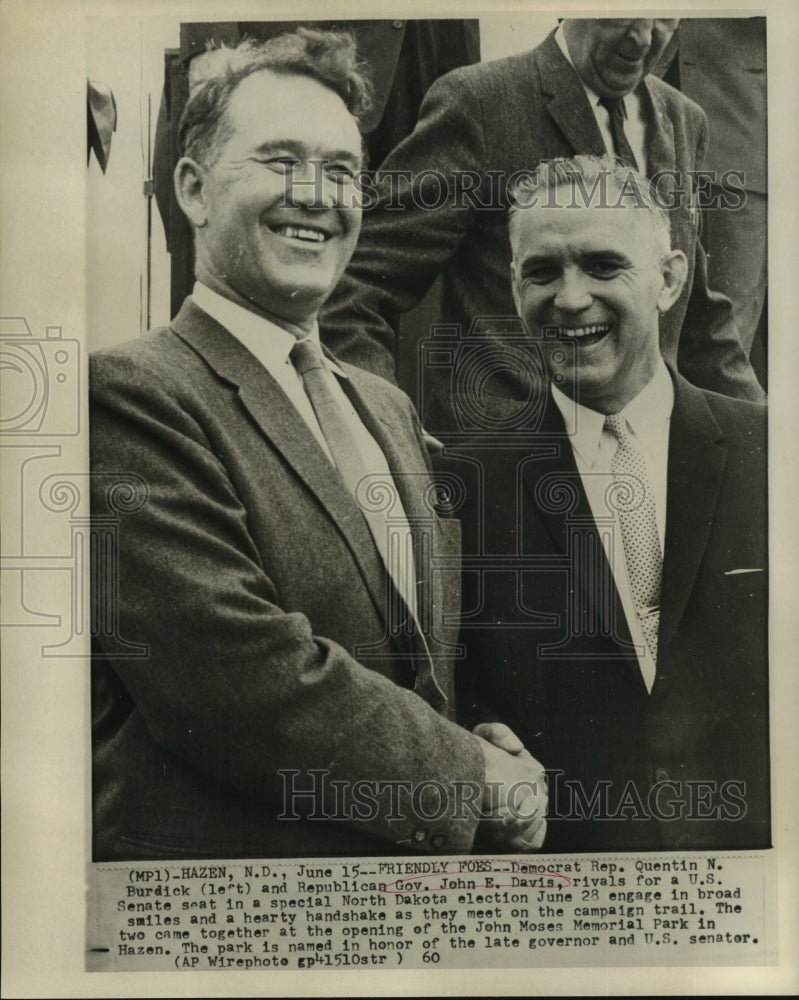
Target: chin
623	83
303	291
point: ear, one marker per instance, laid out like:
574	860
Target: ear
674	270
190	191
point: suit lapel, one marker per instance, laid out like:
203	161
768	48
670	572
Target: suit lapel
697	460
279	422
406	464
567	102
404	458
555	489
660	131
553	473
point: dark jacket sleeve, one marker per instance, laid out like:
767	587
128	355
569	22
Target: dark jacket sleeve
415	221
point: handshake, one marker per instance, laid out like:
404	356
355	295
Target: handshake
515	802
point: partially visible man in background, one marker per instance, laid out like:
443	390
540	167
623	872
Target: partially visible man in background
721	64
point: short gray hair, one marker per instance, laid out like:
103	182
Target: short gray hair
588	177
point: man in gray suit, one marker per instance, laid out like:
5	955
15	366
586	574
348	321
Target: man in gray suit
296	693
444	196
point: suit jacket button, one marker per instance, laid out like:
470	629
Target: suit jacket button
419	835
398	24
438	840
661	774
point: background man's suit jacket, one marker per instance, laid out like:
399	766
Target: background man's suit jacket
507	116
567	681
252	577
721	64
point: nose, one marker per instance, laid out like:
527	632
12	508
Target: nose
310	187
572	293
640	31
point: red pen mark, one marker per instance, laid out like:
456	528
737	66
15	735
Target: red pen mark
520	878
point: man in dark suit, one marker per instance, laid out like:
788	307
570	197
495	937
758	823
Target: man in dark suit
616	609
295	697
478	127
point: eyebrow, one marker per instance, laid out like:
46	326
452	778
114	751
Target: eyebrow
587	257
543	255
618	255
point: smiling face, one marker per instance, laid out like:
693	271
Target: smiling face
274	212
590	284
612	55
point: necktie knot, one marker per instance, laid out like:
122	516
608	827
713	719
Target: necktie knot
615	107
306	355
616	425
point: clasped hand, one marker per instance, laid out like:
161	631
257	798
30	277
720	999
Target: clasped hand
515	802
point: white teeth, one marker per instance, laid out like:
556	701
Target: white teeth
298	233
585	331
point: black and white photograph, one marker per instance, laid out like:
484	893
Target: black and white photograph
280	664
398	500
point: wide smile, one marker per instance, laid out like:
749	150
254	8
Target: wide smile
303	234
584	336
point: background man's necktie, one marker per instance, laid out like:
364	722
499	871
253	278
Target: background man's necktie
639	531
621	144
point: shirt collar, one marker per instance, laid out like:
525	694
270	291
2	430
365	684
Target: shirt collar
583	426
648	415
270	343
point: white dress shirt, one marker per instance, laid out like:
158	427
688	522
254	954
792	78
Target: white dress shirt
648	417
634	126
271	345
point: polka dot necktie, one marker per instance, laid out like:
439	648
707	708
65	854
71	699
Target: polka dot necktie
635	503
